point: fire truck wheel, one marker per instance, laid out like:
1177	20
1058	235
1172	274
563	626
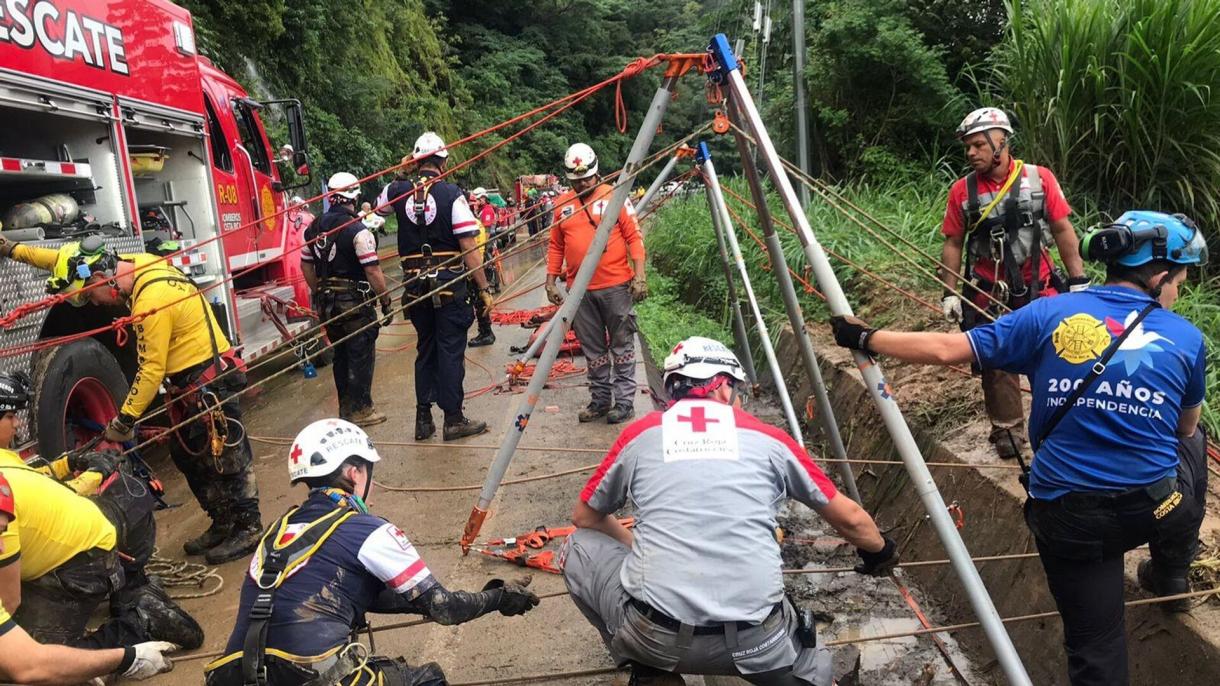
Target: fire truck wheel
79	387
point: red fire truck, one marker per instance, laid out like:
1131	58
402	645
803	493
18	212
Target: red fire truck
111	123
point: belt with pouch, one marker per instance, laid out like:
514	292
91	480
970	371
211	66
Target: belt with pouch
663	620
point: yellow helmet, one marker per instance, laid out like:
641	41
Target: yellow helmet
77	263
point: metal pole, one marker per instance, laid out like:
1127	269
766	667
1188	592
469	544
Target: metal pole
904	442
739	324
704	159
798	84
796	317
656	184
563	318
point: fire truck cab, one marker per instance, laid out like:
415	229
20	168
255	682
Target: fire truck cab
112	124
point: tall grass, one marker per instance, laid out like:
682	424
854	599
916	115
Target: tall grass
1120	97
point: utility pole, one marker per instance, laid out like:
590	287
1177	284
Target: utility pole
802	106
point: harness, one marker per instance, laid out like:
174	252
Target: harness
338	296
278	562
423	266
1010	237
196	378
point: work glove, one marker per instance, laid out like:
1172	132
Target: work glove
120	430
881	562
515	597
553	294
851	332
94	461
6	247
1078	283
486	302
639	288
387	311
150	660
951	305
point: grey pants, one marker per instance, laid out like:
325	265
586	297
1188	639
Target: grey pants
767	654
607	314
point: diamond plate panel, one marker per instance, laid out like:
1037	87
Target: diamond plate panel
20	284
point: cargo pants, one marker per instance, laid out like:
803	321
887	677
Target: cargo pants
765	654
605	326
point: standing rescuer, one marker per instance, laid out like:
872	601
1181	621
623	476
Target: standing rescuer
1119	459
180	344
435	225
605	321
326	563
26	661
1001	216
696	588
342	269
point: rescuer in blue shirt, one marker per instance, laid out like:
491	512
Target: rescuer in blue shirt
1118	386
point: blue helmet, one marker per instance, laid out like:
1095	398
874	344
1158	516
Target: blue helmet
1140	236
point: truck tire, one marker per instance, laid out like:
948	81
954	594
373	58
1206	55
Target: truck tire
79	387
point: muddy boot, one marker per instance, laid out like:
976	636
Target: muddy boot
592	412
424	426
1008	443
650	676
369	416
216	533
620	414
1162	585
241	542
461	427
163	619
482	339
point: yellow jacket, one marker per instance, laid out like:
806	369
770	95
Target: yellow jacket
172	338
86	484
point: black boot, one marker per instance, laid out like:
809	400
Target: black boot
246	534
620	413
216	533
424	426
461	427
162	618
1163	585
482	339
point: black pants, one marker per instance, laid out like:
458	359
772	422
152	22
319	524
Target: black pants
1082	538
440	365
55	607
355	357
224	484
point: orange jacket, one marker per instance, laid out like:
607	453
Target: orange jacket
572	232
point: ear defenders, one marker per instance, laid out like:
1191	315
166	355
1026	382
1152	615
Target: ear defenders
1108	244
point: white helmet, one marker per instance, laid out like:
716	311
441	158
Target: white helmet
702	358
984	119
479	192
344	185
429	144
322	446
580	161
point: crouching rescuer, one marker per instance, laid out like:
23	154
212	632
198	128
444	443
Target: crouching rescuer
326	563
340	265
707	480
1119	459
181	345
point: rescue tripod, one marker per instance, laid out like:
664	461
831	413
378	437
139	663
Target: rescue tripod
727	75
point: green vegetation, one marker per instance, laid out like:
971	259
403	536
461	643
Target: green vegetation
664	319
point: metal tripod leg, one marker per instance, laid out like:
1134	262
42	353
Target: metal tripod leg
729	75
796	317
563	318
656	184
726	223
739	324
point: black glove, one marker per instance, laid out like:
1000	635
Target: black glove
515	598
881	562
1077	283
387	311
94	461
851	332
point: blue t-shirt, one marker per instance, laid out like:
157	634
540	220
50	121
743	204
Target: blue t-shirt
1122	433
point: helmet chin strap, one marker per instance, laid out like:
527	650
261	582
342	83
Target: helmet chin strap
996	153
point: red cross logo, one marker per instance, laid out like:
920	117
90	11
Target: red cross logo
296	453
698	421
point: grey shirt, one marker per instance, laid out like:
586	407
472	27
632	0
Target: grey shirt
707	482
